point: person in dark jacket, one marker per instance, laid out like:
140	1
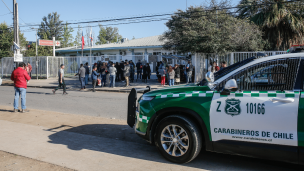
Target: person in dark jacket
132	71
177	74
139	68
20	78
103	73
81	73
122	66
117	66
87	73
94	77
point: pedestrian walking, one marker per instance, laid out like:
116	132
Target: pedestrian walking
139	68
87	74
162	73
20	78
189	69
171	75
126	72
81	73
61	80
112	71
103	73
30	68
177	74
94	77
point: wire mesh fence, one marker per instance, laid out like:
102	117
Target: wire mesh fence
45	67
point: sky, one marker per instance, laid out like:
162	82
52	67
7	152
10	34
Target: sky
32	12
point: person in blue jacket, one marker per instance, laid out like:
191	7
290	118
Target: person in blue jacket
94	77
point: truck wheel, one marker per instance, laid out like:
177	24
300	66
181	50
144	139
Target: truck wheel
178	139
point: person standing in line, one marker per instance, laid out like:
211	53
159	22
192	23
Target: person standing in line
103	72
132	71
113	72
171	75
94	77
162	73
20	77
139	68
177	74
87	73
189	69
145	74
223	65
126	72
117	66
30	69
61	80
81	73
148	70
122	65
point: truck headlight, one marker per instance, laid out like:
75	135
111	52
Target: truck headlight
147	98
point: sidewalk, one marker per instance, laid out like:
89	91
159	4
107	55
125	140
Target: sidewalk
74	84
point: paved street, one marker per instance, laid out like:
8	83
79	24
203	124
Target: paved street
91	140
101	104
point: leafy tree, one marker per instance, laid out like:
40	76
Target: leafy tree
282	22
67	36
78	37
51	26
210	31
108	34
6	41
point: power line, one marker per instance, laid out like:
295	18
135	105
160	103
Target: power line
7	7
4	14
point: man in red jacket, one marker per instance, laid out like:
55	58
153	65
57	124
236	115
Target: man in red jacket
20	78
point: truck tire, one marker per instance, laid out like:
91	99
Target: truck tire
178	139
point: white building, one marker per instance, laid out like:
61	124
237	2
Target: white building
125	49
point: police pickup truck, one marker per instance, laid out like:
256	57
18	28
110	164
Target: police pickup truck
252	108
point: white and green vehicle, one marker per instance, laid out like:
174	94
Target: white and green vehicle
252	108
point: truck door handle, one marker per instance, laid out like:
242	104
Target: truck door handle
287	100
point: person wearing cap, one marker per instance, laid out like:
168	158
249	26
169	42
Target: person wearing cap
61	80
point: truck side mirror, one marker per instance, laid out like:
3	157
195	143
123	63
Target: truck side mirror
230	85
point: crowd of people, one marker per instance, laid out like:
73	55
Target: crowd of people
214	68
104	73
170	75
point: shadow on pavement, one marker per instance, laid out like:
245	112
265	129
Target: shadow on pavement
121	140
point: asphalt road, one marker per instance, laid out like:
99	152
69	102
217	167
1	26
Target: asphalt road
100	104
114	105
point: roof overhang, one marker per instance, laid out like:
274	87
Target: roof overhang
106	48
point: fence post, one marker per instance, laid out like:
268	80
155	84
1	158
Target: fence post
231	58
47	67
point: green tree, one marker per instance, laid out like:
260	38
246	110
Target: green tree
51	26
282	22
78	37
42	50
67	36
108	34
7	39
210	31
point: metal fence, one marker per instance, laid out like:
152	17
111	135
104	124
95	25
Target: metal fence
202	61
48	66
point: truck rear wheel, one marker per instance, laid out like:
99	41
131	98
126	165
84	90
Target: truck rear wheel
178	139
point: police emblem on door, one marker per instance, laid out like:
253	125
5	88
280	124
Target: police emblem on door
233	107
